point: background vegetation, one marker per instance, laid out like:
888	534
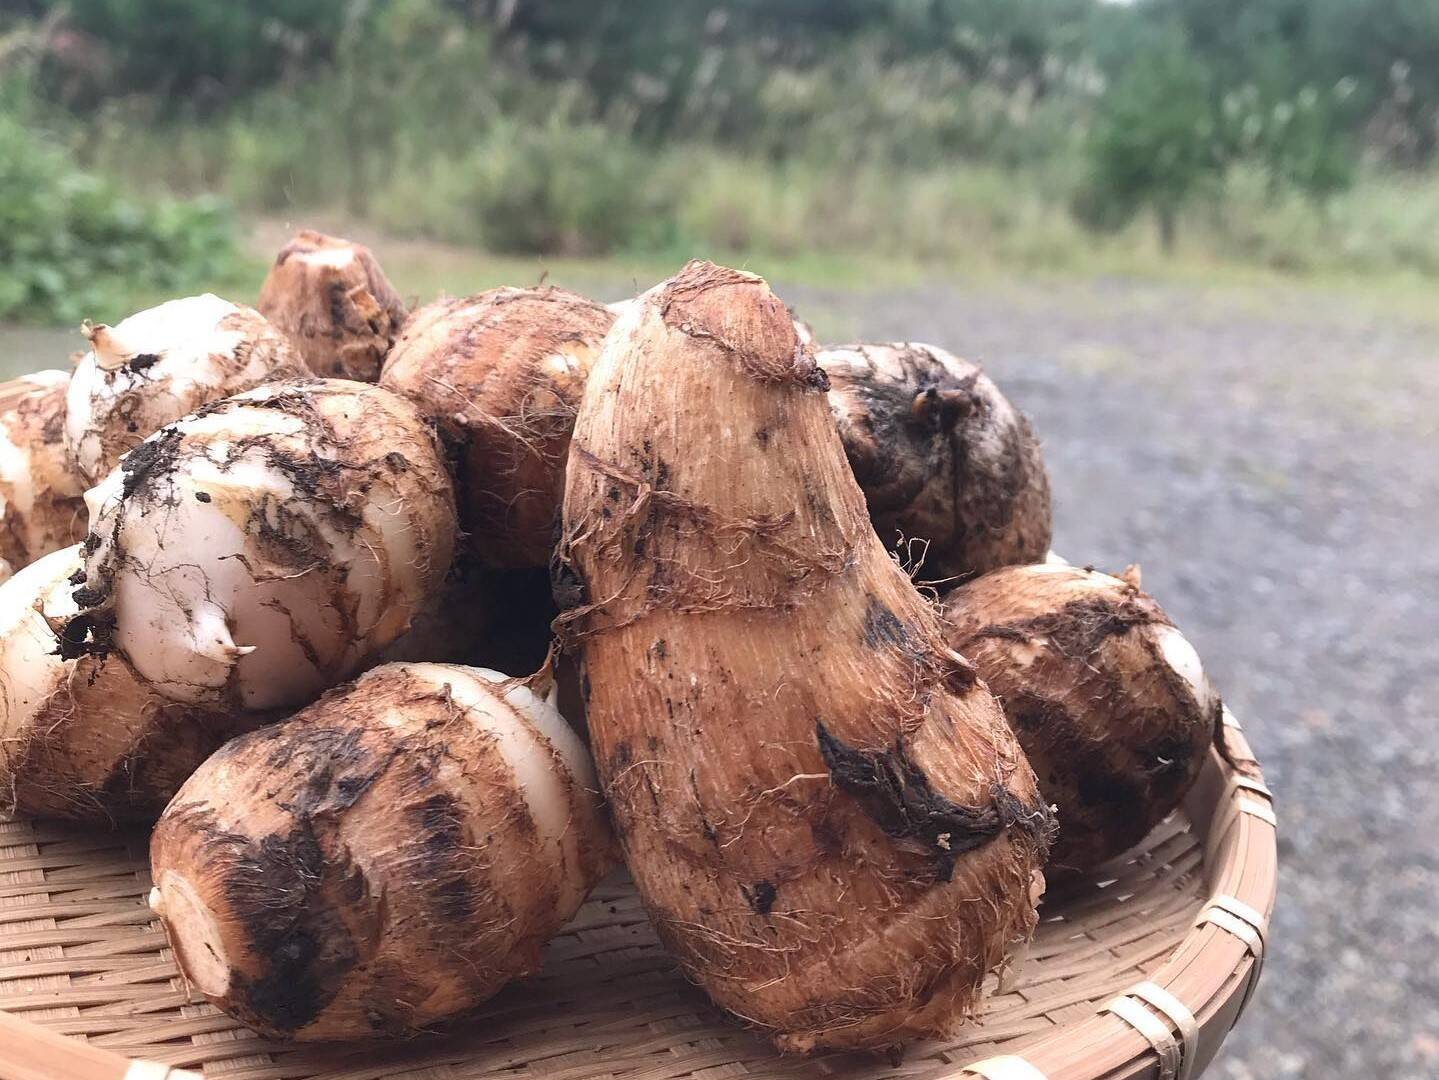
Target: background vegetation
1294	134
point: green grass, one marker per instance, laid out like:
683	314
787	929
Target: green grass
423	270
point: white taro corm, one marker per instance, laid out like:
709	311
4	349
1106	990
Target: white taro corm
161	364
264	548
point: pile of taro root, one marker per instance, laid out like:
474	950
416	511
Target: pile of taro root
405	627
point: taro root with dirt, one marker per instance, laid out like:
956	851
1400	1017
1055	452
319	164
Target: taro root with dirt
86	737
161	364
827	817
950	469
41	508
263	549
502	372
389	857
332	300
1108	699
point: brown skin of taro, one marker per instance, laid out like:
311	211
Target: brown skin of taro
502	373
942	457
1115	735
84	759
367	868
342	315
827	817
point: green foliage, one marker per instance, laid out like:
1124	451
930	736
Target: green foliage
1386	52
69	241
1154	143
558	187
195	51
1296	140
926	128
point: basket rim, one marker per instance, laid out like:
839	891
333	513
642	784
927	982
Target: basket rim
1169	1026
1211	975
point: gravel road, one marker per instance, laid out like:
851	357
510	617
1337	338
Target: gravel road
1271	459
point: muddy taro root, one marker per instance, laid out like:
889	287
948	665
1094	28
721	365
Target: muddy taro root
389	857
263	549
502	373
1108	699
41	509
161	364
83	736
951	470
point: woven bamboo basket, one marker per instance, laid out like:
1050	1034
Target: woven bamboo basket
1140	971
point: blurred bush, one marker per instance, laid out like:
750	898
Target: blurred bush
70	241
192	53
1045	131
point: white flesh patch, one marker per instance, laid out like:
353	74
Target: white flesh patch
30	671
335	257
1182	657
519	740
530	732
194	933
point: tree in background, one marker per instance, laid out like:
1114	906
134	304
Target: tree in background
1154	143
1199	87
1386	52
196	53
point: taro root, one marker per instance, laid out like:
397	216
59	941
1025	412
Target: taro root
830	823
1108	699
41	509
85	737
943	457
391	856
332	300
502	372
161	364
263	549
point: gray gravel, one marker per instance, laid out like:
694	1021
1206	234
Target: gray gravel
1273	465
1271	458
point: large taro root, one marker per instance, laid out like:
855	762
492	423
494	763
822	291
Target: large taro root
332	300
949	468
265	548
827	817
41	509
502	372
1108	699
161	364
390	857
